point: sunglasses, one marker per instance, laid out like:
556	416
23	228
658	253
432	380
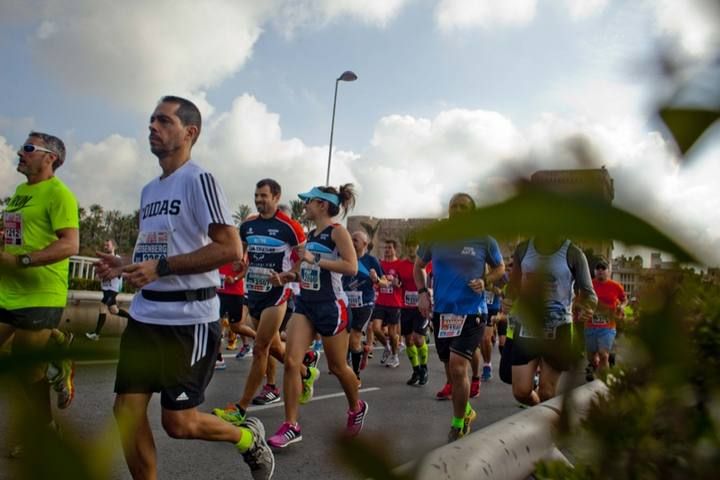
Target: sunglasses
30	148
310	200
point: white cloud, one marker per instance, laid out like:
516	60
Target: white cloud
292	14
452	14
582	9
693	24
9	177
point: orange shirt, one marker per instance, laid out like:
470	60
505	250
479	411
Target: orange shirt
610	294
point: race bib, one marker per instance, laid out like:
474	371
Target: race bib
13	228
257	279
489	297
411	299
599	319
450	325
387	290
354	298
310	276
151	246
548	332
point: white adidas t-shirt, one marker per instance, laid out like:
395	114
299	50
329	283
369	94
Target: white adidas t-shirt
175	216
114	284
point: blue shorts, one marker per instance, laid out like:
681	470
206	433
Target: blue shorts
328	319
597	339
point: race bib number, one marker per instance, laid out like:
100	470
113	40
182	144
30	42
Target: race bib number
151	246
310	277
13	229
489	297
411	299
450	325
354	298
257	279
387	290
548	332
599	319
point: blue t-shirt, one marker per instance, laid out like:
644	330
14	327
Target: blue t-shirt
454	265
361	282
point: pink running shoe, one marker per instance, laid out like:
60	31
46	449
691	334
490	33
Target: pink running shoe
287	434
356	420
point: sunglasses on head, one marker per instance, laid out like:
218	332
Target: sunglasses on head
30	148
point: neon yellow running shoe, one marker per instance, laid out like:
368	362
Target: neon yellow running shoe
468	419
230	414
307	392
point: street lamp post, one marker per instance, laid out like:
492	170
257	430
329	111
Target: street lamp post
346	76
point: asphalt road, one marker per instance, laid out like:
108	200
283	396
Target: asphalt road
403	421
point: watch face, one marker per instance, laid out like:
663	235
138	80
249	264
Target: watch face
25	260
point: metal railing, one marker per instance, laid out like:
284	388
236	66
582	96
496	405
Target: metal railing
82	267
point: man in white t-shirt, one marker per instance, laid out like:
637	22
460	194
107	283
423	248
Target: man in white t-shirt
110	289
169	346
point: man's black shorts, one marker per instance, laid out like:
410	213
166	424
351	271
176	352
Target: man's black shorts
388	315
231	306
176	360
411	320
32	318
360	317
109	297
465	343
559	352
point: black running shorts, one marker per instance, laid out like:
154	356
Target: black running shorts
176	360
361	317
463	344
109	297
32	318
559	352
411	320
231	306
388	315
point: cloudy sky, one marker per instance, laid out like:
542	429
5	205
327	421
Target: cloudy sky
452	95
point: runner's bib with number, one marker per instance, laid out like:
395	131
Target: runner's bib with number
354	298
310	276
257	279
548	332
151	246
411	299
599	319
12	223
450	325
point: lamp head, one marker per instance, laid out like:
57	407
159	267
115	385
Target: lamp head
348	76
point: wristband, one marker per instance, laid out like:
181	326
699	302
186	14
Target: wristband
423	290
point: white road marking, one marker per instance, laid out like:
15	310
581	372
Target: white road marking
255	408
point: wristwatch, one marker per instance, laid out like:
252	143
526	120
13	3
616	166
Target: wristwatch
423	290
163	268
24	260
316	258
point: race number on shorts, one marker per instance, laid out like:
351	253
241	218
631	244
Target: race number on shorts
451	325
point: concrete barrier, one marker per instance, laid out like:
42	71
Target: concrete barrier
81	313
508	449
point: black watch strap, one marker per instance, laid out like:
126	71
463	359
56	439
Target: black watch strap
423	290
163	267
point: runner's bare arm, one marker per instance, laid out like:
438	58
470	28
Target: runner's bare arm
420	276
347	264
66	245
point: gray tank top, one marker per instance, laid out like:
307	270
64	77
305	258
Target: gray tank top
558	281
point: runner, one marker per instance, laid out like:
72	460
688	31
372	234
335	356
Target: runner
458	310
388	303
601	329
232	301
108	304
493	298
40	233
169	345
270	237
553	269
360	291
321	308
413	324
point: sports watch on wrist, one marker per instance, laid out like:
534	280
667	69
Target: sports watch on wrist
316	258
163	267
24	260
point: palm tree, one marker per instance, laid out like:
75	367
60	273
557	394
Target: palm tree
242	212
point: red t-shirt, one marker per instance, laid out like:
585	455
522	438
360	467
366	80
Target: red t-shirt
390	296
227	287
610	294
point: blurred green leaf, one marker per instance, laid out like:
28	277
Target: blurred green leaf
537	212
365	456
687	124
